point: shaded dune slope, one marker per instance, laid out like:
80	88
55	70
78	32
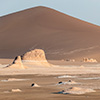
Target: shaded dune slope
60	35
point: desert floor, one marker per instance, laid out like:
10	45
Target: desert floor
47	90
47	79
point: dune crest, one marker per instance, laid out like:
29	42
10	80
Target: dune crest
60	35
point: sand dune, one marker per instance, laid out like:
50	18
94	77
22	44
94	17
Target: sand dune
60	35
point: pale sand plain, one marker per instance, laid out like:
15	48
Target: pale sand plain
86	75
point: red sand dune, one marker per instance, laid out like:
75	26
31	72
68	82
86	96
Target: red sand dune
60	35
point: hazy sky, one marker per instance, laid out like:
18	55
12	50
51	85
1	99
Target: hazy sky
88	10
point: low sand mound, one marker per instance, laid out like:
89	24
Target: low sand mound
71	82
15	90
36	57
68	82
82	66
17	63
66	76
34	85
13	79
77	90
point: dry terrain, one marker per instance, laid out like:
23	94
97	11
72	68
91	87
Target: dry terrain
60	35
71	64
48	89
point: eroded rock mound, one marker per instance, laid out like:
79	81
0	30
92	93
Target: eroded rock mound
37	54
36	57
77	90
68	82
17	63
34	85
15	90
71	82
17	60
89	60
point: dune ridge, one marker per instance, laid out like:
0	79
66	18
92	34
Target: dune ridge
60	35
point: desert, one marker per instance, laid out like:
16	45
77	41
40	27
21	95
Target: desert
47	58
31	74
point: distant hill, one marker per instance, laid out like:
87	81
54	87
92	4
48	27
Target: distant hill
60	35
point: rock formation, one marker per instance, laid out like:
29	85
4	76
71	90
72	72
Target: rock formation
89	60
17	63
68	82
71	82
15	90
37	54
36	57
77	90
34	85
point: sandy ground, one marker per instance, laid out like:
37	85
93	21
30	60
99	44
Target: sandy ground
47	90
34	26
84	74
53	70
6	61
